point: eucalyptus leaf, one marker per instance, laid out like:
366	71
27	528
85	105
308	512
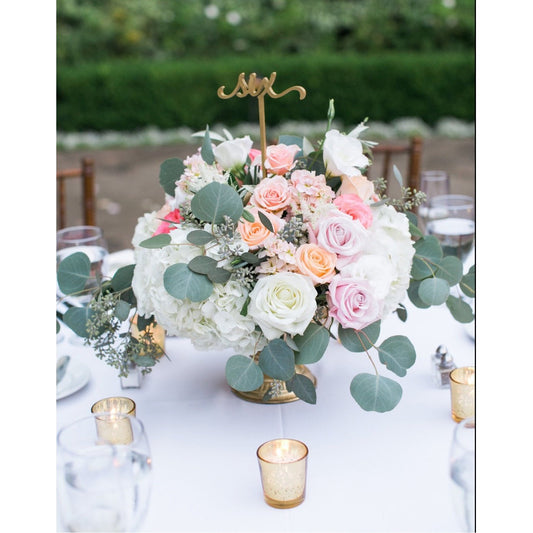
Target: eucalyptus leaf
157	241
219	275
398	354
201	264
450	268
181	282
412	294
460	310
144	360
122	278
428	254
303	387
243	374
170	172
434	291
415	231
401	311
468	283
73	273
277	360
200	237
207	149
122	310
360	341
216	200
247	215
76	319
397	175
312	344
265	221
375	393
250	258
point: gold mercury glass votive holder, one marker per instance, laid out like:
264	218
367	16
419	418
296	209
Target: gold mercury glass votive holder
462	389
283	467
114	426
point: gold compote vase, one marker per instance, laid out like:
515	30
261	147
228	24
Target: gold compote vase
274	391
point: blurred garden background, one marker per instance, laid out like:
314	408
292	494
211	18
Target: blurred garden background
136	78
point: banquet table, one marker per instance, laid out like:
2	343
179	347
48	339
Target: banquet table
367	471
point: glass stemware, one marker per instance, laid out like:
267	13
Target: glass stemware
432	183
451	218
462	472
89	240
104	473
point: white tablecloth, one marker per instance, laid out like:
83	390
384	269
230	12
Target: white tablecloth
366	471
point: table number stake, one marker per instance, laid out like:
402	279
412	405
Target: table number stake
258	87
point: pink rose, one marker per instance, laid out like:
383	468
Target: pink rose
352	303
352	205
171	220
280	158
272	194
341	235
253	154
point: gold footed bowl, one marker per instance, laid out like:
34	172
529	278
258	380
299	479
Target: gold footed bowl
273	390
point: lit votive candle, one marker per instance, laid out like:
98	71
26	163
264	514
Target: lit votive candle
283	467
462	388
113	424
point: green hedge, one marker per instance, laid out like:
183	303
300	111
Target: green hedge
125	96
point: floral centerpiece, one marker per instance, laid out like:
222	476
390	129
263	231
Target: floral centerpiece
272	257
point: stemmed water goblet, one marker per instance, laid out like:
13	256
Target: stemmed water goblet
432	183
451	218
462	472
89	240
103	473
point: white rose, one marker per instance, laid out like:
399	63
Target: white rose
233	153
283	303
343	154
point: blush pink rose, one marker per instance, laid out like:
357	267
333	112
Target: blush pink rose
253	154
352	303
171	220
352	205
280	158
316	263
341	235
272	194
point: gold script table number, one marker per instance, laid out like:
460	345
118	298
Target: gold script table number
258	88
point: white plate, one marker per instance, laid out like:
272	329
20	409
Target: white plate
76	377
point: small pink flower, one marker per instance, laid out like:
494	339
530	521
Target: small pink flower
352	303
272	194
171	220
280	158
253	154
352	205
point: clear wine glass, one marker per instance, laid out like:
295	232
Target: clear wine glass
432	183
451	218
462	472
104	473
89	240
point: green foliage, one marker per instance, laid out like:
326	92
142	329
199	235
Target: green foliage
216	201
312	344
169	172
375	393
303	387
181	282
398	354
360	340
277	360
243	374
89	30
73	273
127	95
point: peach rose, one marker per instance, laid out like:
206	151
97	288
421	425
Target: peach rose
352	205
316	263
280	158
359	185
255	233
272	194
